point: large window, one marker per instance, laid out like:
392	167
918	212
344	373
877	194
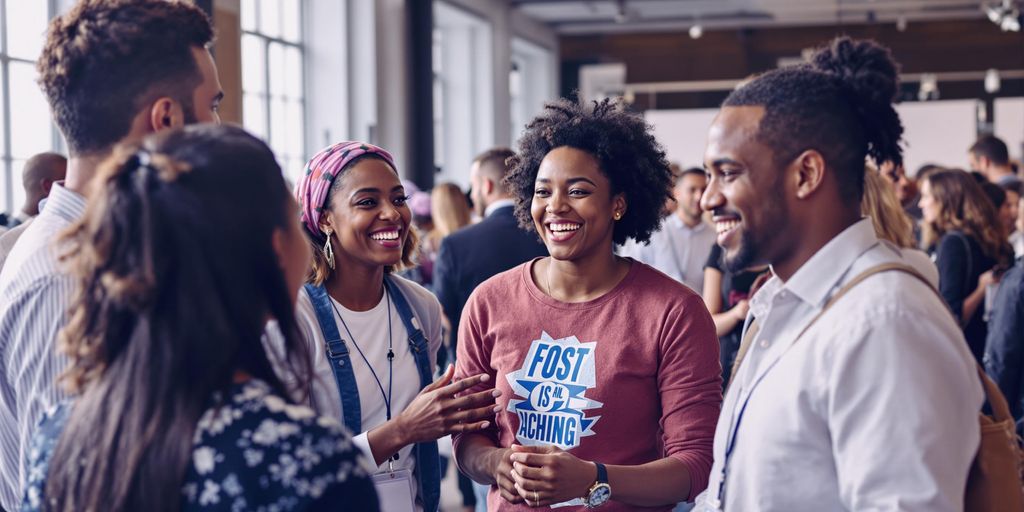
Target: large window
531	82
273	85
25	123
463	90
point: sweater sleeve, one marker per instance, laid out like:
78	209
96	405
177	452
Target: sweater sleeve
690	385
473	358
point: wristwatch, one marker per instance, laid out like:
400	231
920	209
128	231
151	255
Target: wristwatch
600	492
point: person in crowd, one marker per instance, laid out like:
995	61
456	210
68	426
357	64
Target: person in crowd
470	256
188	247
1004	347
680	247
423	223
727	296
450	212
111	70
828	400
892	223
374	336
962	231
990	157
608	369
40	173
1010	211
905	188
1017	237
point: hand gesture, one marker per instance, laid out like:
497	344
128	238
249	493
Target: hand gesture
437	411
545	475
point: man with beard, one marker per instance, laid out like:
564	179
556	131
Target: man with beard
840	376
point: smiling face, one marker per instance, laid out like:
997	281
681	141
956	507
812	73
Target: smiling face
368	216
573	207
745	193
930	207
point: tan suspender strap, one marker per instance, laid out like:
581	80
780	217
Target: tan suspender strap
748	338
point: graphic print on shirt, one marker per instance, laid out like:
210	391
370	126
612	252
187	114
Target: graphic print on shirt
551	388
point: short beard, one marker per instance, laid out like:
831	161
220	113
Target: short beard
745	256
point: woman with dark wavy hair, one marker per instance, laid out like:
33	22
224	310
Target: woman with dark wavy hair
610	367
964	234
188	249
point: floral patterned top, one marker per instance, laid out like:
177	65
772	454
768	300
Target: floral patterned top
256	452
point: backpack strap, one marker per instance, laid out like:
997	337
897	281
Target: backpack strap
337	354
993	397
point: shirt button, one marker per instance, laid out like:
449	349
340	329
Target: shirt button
764	343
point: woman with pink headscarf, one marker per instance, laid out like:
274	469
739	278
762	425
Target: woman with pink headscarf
373	336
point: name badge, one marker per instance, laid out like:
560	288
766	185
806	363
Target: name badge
396	490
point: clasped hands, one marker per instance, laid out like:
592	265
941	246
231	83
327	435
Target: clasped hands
540	476
438	410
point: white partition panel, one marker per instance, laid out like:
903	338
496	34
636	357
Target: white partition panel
1009	124
683	133
938	132
935	132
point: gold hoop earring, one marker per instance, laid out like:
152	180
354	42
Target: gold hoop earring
328	251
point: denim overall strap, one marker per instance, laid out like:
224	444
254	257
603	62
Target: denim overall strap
428	463
337	354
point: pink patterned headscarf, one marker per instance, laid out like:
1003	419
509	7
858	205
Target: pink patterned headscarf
311	190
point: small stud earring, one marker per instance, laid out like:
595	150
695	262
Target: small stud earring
618	215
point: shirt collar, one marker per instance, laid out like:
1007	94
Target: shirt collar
500	203
65	203
813	281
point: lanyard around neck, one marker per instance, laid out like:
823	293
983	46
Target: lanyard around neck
391	354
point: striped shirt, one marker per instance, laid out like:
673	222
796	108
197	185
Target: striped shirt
34	297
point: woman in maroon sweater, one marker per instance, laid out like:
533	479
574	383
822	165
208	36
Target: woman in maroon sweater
609	369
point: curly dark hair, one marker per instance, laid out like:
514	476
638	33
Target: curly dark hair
626	151
105	59
840	104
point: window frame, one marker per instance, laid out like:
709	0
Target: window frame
265	97
7	151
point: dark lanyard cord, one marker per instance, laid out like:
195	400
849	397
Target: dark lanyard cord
391	355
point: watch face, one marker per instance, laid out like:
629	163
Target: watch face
601	494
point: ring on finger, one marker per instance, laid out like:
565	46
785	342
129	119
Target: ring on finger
536	499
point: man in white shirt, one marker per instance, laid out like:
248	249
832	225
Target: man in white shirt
112	71
874	405
681	247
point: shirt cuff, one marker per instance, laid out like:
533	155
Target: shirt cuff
363	443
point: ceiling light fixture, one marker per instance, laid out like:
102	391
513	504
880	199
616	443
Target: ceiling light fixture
1004	14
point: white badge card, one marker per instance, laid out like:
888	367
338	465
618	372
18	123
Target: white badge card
396	490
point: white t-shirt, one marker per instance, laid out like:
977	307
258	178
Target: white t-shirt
370	332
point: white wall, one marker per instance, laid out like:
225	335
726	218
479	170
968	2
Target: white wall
935	132
1009	124
682	133
938	132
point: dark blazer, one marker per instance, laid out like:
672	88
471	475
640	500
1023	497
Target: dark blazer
961	261
475	253
1004	352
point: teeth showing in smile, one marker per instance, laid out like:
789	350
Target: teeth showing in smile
385	235
563	227
725	225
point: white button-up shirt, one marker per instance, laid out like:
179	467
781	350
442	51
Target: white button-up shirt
677	250
874	408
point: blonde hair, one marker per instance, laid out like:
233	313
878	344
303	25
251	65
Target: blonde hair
880	203
449	209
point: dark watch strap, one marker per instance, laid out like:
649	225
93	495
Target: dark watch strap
602	473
